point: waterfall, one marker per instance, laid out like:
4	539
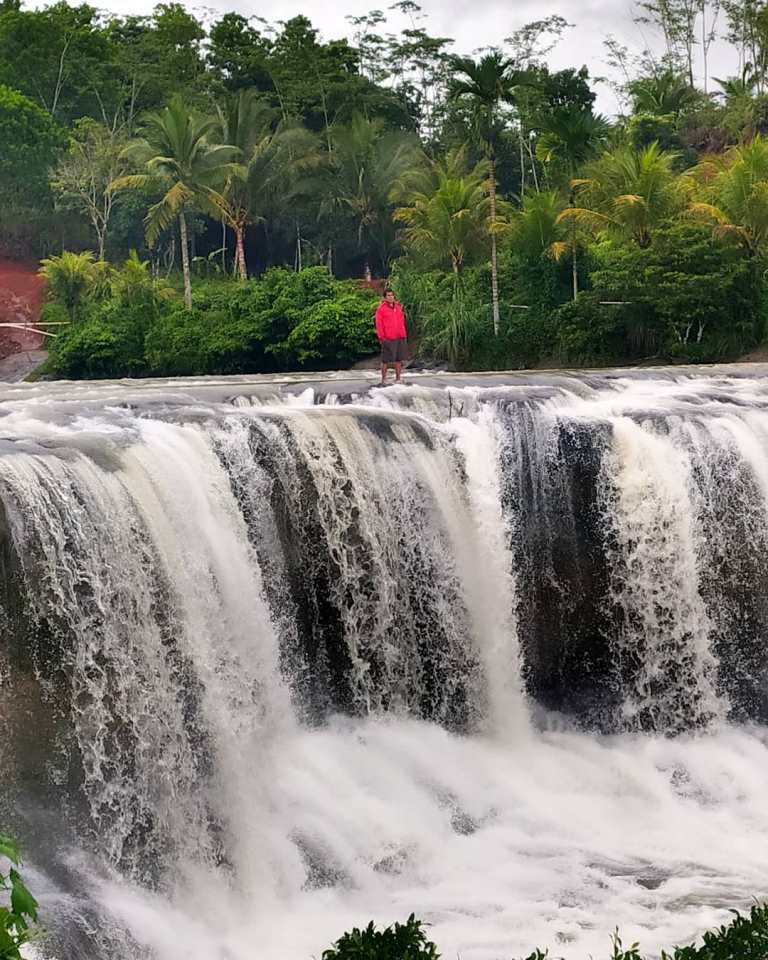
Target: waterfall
276	662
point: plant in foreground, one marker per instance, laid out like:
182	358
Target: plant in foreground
21	909
744	938
401	941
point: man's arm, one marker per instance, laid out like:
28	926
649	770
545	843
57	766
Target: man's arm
379	324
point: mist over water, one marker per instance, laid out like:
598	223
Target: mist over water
276	664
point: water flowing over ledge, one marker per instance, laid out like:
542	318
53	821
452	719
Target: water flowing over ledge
297	654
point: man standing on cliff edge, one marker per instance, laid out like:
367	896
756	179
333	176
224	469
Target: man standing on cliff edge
390	329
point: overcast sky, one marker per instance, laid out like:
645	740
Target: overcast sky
473	24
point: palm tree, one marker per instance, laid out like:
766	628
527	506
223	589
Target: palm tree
273	154
446	225
364	162
247	122
628	192
72	278
535	230
734	188
181	161
742	86
485	86
568	138
132	282
662	94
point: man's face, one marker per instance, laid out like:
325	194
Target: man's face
389	297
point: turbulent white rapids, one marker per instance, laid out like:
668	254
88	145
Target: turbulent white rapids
275	663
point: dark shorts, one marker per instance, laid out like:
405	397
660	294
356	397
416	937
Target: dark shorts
394	351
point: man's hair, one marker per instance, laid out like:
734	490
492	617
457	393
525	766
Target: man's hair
388	291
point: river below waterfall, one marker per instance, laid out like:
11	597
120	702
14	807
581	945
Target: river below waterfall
281	657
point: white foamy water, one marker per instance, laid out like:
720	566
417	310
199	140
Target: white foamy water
493	655
500	847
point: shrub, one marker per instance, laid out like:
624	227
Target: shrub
279	321
138	326
108	342
73	279
702	294
204	340
588	332
744	938
339	330
401	941
449	314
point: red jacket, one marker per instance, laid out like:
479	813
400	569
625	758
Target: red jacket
390	322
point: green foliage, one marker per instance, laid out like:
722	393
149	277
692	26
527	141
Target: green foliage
644	129
29	142
447	312
283	320
55	56
255	145
73	279
661	94
29	139
744	938
20	912
587	332
337	330
82	178
446	223
108	342
627	193
401	941
735	193
700	293
365	161
176	157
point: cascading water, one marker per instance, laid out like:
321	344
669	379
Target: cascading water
275	664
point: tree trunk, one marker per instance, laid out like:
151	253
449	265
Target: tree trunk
101	238
185	261
574	266
242	268
574	263
494	256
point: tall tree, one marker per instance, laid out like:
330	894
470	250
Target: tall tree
570	137
272	157
58	56
179	160
29	144
238	53
365	161
487	85
83	175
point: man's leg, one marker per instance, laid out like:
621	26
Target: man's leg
384	371
398	370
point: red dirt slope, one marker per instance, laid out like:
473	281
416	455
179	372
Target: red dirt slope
21	296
